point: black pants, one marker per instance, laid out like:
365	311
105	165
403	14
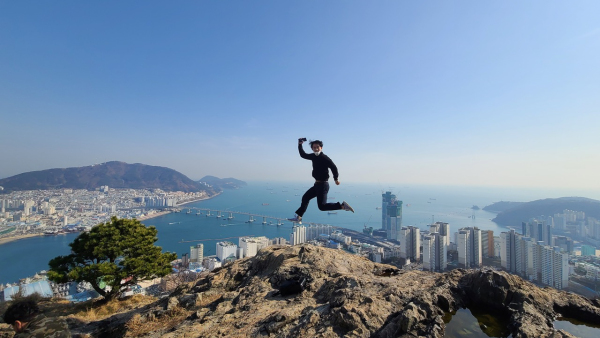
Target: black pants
319	190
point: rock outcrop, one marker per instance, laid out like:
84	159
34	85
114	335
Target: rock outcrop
339	294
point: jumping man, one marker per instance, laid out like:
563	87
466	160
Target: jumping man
321	164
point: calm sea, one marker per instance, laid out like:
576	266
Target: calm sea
178	231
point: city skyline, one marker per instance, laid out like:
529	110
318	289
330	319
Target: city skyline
478	94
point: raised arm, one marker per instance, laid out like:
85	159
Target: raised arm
303	154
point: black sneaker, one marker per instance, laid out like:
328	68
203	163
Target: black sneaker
346	206
297	219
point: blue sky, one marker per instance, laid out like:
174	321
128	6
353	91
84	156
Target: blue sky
482	93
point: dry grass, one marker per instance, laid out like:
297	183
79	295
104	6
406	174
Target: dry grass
139	326
99	310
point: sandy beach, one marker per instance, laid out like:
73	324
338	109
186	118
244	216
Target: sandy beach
156	214
160	213
200	199
4	240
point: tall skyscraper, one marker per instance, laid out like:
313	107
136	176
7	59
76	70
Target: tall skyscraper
391	215
410	243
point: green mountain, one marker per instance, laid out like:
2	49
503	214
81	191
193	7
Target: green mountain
498	207
521	212
222	183
114	174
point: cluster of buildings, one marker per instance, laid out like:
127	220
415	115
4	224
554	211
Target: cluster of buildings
535	254
52	211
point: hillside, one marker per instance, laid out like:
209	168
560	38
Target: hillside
222	183
524	211
344	296
113	174
501	206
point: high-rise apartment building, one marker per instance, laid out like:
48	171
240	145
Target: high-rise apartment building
564	243
226	250
508	250
487	243
249	247
593	226
314	231
469	247
410	243
435	252
588	250
298	235
197	253
391	215
534	259
443	229
555	267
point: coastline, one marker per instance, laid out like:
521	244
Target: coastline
161	213
200	199
5	240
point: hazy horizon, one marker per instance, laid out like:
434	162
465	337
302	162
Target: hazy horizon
464	94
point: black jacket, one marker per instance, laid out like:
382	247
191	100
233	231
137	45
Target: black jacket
321	164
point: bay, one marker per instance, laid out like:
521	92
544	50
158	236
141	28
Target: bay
178	231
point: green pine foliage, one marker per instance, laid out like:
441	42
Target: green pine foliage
113	256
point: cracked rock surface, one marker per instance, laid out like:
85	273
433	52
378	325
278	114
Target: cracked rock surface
349	296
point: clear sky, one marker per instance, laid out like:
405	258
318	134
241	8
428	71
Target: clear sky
479	93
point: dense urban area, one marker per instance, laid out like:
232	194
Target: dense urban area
536	250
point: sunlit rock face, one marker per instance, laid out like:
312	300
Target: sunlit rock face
309	291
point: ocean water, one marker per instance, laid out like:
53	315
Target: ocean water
178	231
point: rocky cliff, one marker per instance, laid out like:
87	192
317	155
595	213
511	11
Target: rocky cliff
343	295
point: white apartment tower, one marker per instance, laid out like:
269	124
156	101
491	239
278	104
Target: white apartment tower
410	243
508	250
435	252
298	235
469	247
226	250
443	229
197	253
555	267
314	231
248	246
251	245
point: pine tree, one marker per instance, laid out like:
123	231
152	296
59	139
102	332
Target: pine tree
113	256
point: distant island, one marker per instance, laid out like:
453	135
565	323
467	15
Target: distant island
513	213
222	183
114	174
